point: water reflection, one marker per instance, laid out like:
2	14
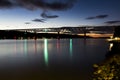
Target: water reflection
46	51
25	47
15	47
35	46
75	56
58	45
71	48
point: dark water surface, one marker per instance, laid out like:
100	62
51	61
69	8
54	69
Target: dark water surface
50	59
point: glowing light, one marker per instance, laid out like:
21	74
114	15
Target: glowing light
117	38
71	47
111	37
110	47
46	51
114	39
96	35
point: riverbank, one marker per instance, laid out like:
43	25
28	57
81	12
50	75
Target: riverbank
109	69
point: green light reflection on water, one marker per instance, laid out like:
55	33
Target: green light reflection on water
71	47
46	51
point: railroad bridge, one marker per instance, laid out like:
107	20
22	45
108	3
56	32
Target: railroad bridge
72	30
35	32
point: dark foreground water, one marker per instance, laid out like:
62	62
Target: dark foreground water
50	59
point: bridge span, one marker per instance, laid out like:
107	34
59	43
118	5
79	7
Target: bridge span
61	32
72	30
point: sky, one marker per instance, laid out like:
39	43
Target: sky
23	14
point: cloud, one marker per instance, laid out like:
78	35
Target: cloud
5	4
112	22
39	20
45	15
45	5
101	16
97	17
27	23
38	4
89	18
60	5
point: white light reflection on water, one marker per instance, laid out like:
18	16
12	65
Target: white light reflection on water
46	51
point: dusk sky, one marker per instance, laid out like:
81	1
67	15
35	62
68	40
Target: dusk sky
22	14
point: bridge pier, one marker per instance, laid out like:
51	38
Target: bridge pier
84	32
35	36
58	35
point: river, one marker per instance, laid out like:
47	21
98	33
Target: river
50	59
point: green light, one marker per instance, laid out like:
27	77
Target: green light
46	51
71	47
45	30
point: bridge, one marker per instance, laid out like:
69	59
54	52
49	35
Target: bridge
60	32
72	30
